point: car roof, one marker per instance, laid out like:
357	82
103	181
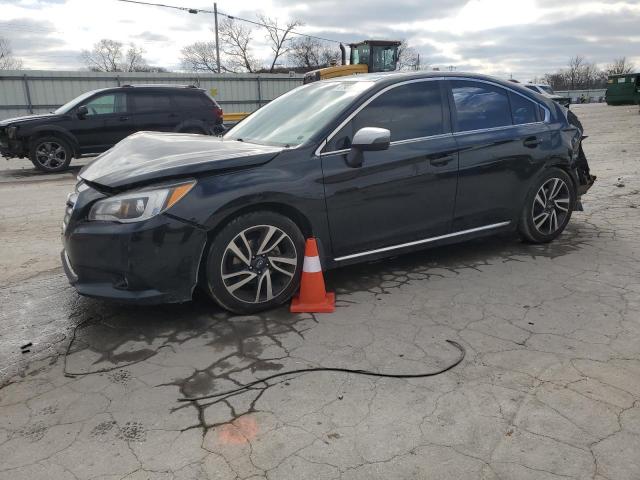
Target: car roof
150	86
388	78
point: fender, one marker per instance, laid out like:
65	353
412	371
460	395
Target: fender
41	130
311	223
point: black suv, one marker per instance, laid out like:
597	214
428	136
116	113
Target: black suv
97	120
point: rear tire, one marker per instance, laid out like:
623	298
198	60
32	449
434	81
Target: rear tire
50	154
254	263
548	207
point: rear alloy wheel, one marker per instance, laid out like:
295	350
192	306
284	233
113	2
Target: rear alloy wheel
50	154
548	208
254	263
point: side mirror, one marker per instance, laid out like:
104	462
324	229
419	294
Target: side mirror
82	111
367	139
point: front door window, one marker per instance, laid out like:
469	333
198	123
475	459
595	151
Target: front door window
106	104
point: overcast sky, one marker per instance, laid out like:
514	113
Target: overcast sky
523	38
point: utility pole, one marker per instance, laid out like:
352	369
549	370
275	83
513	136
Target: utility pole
215	14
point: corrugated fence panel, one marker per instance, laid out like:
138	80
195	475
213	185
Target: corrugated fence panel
591	95
37	91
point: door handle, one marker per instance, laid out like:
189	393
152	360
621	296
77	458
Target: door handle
441	161
531	142
173	115
124	118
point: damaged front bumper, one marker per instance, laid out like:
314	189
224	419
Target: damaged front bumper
148	262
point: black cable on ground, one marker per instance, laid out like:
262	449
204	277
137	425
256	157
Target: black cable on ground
102	370
369	373
264	380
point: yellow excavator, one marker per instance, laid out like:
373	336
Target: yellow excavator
367	56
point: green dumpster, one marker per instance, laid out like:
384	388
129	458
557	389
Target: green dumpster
623	89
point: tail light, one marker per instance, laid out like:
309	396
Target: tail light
218	111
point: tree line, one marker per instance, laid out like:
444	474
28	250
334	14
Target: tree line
580	74
237	54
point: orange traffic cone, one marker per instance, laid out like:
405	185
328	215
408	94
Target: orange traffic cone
312	298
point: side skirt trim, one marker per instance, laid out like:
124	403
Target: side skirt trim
420	242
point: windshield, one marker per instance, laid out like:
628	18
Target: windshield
296	116
360	54
384	59
547	89
76	101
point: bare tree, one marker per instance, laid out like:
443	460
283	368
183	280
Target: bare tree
329	55
309	53
7	60
234	40
105	56
278	37
574	72
200	57
133	59
579	74
305	53
620	66
109	56
408	57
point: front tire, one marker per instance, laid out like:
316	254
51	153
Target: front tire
50	154
548	207
254	263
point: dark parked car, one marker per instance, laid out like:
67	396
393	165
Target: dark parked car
97	120
371	165
547	91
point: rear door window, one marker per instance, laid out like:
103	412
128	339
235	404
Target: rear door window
522	109
480	105
152	102
192	102
413	110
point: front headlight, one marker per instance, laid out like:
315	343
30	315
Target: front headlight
139	205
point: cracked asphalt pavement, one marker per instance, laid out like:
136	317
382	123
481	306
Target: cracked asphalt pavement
550	387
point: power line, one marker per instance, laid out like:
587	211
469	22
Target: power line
230	17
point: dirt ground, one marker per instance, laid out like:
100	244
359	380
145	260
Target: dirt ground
550	386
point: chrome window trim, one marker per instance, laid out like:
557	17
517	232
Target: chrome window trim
361	107
425	240
547	114
420	139
492	129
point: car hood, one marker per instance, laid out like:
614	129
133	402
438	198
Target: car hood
30	118
149	156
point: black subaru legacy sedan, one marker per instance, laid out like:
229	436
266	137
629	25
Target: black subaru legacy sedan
369	165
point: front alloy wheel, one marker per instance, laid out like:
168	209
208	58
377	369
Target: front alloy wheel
258	264
254	263
50	154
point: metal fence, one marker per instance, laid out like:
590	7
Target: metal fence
590	96
39	91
